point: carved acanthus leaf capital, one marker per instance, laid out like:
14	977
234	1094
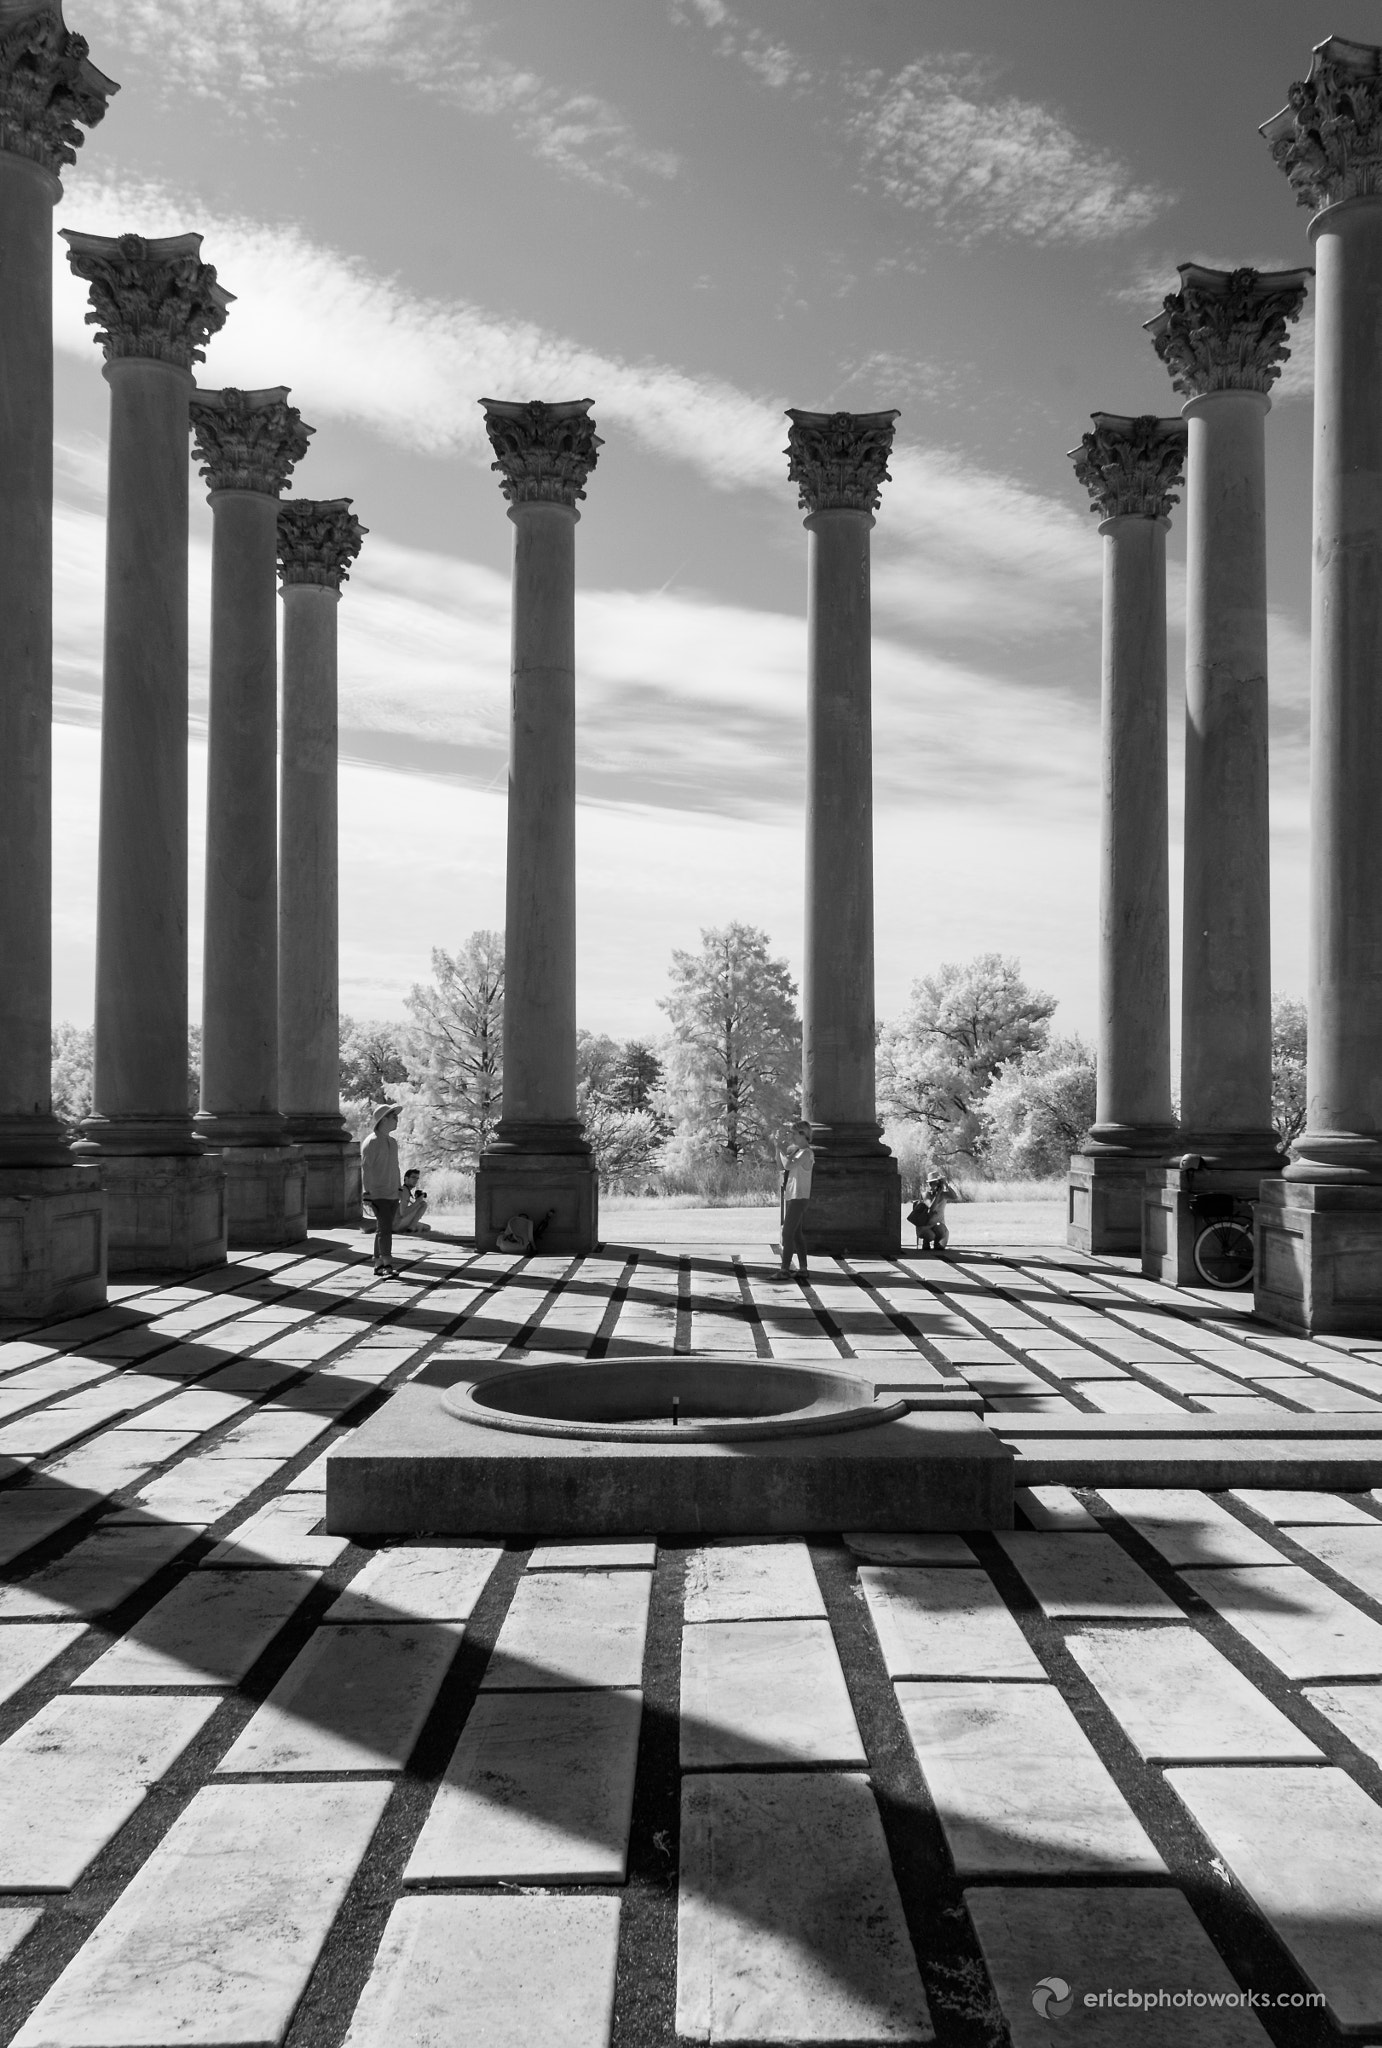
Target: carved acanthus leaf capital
318	539
150	296
1328	137
248	440
1225	330
545	452
839	460
1132	465
49	88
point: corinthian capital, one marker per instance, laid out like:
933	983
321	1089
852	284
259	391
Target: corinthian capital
1225	330
49	88
318	539
545	452
149	297
1328	136
248	440
838	460
1131	465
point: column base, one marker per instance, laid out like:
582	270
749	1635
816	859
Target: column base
266	1195
856	1205
52	1241
1319	1258
532	1184
165	1213
1170	1227
333	1182
1104	1194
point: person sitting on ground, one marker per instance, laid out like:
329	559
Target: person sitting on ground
381	1183
412	1205
927	1217
797	1160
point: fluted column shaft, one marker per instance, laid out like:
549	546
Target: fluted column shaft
30	1135
1133	1110
240	971
838	1033
309	887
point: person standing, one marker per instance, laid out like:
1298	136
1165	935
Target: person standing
381	1182
797	1160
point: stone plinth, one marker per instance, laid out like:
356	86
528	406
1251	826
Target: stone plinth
266	1194
1319	1257
1170	1227
414	1466
532	1183
333	1177
52	1241
1104	1196
856	1205
166	1212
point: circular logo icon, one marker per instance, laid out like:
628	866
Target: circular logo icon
1053	1998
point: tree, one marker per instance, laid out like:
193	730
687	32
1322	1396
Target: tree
637	1078
734	1067
1289	1101
962	1024
456	1053
73	1059
373	1059
1039	1108
624	1133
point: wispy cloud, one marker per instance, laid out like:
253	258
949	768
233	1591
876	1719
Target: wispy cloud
938	137
261	52
773	63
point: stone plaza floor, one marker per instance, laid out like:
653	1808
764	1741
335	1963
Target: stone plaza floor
262	1784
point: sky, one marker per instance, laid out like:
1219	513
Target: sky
697	214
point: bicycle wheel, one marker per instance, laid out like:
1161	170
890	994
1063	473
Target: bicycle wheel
1224	1253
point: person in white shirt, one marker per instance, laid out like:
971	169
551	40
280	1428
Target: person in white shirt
796	1159
381	1182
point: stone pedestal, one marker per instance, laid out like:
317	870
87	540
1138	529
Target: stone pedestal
1131	468
248	442
155	304
52	1241
1321	1225
839	461
1170	1227
318	539
538	1159
166	1212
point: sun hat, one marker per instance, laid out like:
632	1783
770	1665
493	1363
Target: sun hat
377	1116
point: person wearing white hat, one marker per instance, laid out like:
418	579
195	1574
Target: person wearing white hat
381	1182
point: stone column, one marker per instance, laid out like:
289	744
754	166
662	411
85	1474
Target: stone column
247	442
1319	1226
1222	336
1131	468
52	1215
839	461
318	539
538	1162
155	305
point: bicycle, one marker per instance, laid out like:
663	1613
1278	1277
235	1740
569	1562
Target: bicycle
1224	1251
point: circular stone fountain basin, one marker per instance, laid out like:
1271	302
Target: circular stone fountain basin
673	1400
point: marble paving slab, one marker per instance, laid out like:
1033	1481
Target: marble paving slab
74	1773
119	1458
539	1790
572	1629
1055	1507
521	1970
1017	1784
1353	1552
1097	1942
97	1574
945	1624
1178	1701
15	1923
284	1532
28	1647
212	1942
752	1582
761	1693
354	1700
1306	1845
595	1556
200	1490
789	1927
1354	1709
925	1547
1286	1507
437	1580
1069	1574
1300	1625
30	1514
1187	1527
208	1631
